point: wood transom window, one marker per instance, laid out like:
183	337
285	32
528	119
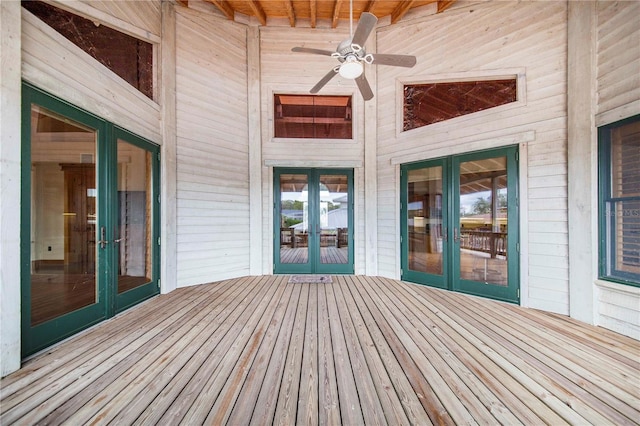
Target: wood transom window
312	116
426	104
128	57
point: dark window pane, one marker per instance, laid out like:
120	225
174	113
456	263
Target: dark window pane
621	233
129	57
426	104
313	117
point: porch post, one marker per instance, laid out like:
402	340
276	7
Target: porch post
10	152
169	170
582	159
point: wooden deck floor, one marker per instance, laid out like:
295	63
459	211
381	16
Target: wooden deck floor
259	350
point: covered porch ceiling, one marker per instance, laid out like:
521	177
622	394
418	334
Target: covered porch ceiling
309	12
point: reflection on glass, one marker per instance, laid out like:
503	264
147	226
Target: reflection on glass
424	220
294	218
483	221
63	216
333	215
133	236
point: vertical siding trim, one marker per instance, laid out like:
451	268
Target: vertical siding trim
582	144
255	151
370	137
10	150
169	181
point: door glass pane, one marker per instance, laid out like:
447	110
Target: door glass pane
424	220
63	215
133	233
294	218
333	215
483	221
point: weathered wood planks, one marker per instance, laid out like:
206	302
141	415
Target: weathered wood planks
260	350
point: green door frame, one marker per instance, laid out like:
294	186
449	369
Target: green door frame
440	281
450	280
511	292
134	296
313	265
35	338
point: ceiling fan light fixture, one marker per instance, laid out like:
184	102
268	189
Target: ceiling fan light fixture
351	68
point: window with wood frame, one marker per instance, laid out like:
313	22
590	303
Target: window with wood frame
619	184
430	103
128	57
312	116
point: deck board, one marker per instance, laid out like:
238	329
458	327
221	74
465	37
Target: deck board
260	350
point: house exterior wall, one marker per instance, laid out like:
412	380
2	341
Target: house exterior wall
499	38
283	71
212	148
618	97
33	52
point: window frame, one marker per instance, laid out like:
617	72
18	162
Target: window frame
606	247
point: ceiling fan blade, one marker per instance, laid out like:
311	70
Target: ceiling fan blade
363	86
394	60
365	25
324	80
314	51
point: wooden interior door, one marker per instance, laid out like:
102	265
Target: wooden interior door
79	218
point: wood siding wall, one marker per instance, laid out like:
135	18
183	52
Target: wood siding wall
618	79
618	54
283	71
212	150
53	63
497	36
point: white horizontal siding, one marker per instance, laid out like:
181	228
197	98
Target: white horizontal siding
212	151
618	54
497	36
142	14
53	63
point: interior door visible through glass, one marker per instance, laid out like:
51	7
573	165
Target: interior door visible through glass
133	236
425	220
63	216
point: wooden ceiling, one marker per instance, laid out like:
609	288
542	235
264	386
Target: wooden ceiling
308	12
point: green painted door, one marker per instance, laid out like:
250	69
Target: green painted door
313	225
460	223
89	220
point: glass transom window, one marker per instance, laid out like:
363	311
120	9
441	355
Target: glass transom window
312	116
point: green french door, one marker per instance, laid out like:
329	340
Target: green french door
459	223
90	209
313	221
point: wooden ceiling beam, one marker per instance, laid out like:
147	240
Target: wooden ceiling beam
313	7
258	12
290	13
401	10
336	14
444	5
370	5
224	7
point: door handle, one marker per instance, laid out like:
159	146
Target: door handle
103	237
456	236
444	234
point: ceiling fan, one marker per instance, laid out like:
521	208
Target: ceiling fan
352	56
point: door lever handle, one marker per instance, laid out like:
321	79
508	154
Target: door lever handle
456	236
103	237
